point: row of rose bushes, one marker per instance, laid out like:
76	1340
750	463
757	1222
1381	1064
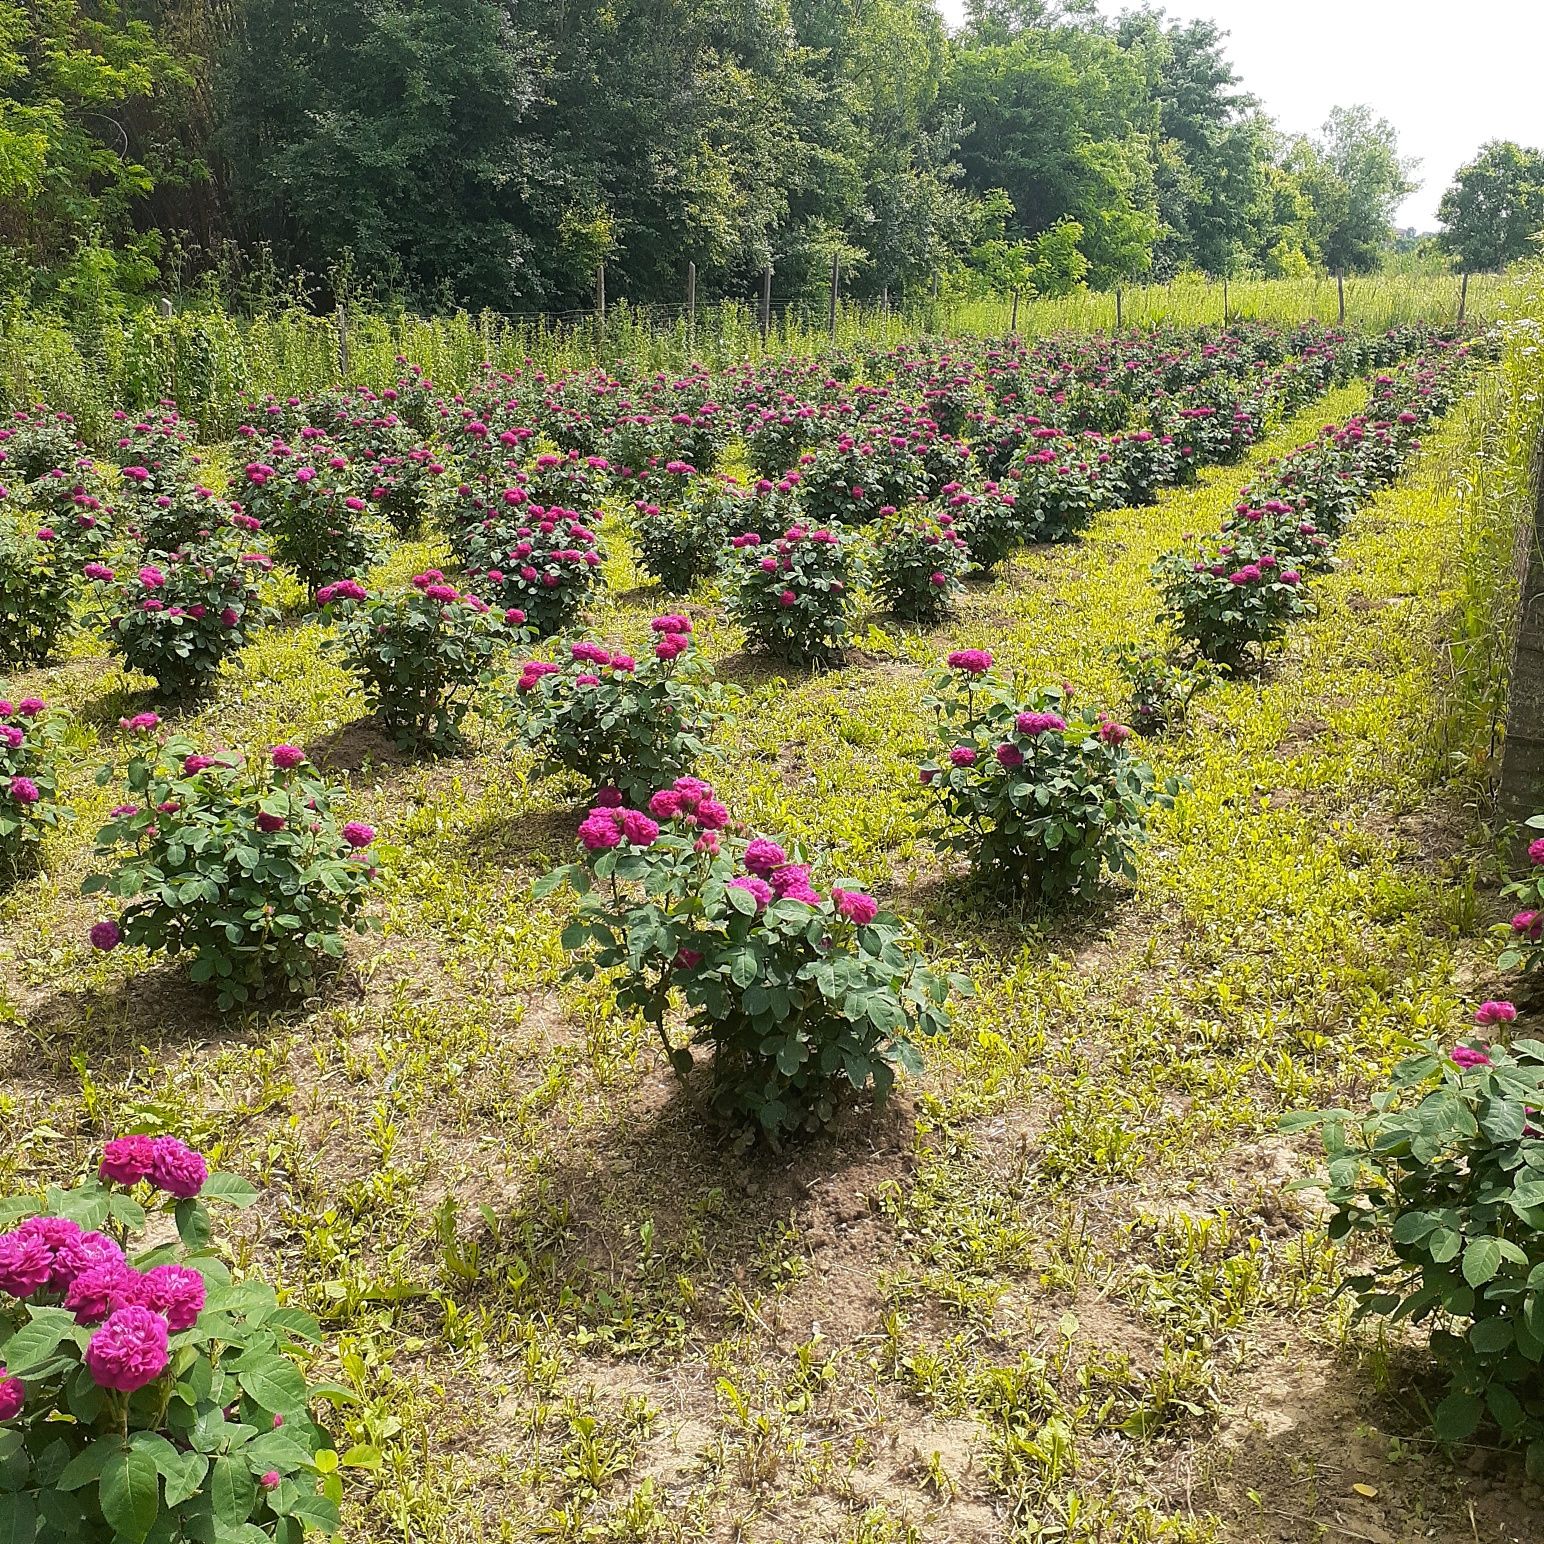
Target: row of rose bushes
327	503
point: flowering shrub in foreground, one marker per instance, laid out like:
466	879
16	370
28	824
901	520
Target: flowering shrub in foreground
319	532
144	1393
793	596
419	654
250	873
37	587
1228	600
1041	797
1447	1174
181	613
619	724
29	782
804	998
1525	933
916	567
682	546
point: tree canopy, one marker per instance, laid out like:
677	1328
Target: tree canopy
496	152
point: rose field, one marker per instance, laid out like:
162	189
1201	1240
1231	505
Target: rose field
893	941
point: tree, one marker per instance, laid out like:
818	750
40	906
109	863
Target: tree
1355	179
1495	208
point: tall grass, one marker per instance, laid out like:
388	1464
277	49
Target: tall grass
1496	470
204	360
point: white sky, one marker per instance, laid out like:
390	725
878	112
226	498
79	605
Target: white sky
1447	76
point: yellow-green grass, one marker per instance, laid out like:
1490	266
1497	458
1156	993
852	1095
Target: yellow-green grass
1058	1290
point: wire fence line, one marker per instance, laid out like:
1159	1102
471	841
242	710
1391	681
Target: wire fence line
208	361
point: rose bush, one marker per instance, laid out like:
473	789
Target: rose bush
621	724
30	806
1043	798
916	566
1228	600
145	1393
804	998
38	587
246	870
420	653
794	596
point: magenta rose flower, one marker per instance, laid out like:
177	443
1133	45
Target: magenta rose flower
129	1350
177	1292
126	1160
13	1395
176	1168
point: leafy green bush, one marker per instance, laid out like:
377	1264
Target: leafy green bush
182	613
420	653
1229	600
548	571
915	566
684	545
149	1396
619	724
249	873
1525	933
1162	687
37	593
1041	797
794	596
1446	1177
29	782
804	999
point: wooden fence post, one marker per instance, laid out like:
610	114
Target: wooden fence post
164	306
1463	299
1224	300
1120	314
691	306
1340	290
1013	326
343	349
766	303
836	279
1522	755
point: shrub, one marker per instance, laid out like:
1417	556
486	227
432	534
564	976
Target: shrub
172	520
249	872
1229	599
73	515
1525	933
1446	1173
803	998
183	613
145	1393
1041	798
420	653
988	523
794	596
34	443
1055	498
620	724
29	783
402	486
37	593
548	571
852	480
318	532
916	566
1162	687
155	452
682	547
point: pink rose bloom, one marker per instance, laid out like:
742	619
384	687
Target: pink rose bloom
855	906
1009	756
1114	734
270	823
639	830
787	598
26	1263
13	1395
758	890
176	1168
129	1350
971	661
763	857
598	831
1536	850
85	1252
104	935
1495	1013
103	1289
665	805
1466	1057
177	1292
286	757
358	835
127	1160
